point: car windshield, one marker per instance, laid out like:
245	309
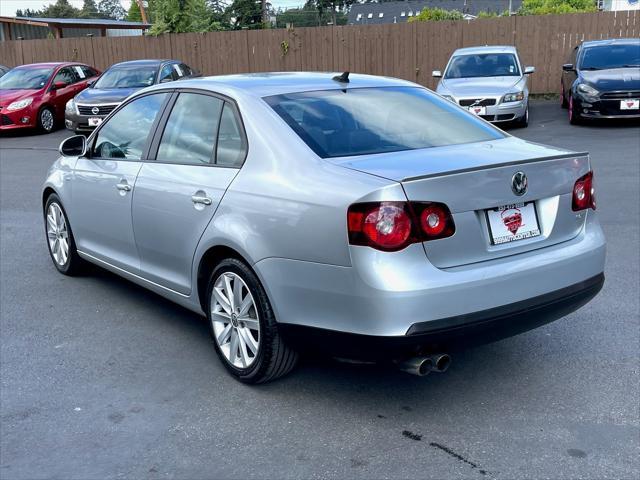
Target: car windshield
127	77
361	121
25	78
483	65
610	56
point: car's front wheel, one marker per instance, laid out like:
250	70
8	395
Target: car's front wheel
574	115
523	121
46	120
62	246
243	325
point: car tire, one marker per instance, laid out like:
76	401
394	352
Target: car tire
563	99
46	120
523	121
574	116
60	240
244	330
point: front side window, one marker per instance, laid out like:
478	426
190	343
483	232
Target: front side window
483	65
166	74
362	121
125	134
25	78
127	77
610	56
65	75
192	127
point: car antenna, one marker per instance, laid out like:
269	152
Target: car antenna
344	78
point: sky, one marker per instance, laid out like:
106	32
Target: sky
9	7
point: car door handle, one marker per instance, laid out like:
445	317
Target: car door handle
123	187
201	199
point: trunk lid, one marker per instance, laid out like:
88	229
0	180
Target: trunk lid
471	179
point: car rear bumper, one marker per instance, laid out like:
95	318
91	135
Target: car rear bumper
401	293
449	334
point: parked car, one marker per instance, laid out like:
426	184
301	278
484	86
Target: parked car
35	95
602	80
488	81
87	110
362	215
4	69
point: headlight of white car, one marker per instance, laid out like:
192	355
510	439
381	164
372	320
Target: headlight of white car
25	102
70	107
588	92
513	97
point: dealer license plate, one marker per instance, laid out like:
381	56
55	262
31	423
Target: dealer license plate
94	122
510	223
631	104
478	110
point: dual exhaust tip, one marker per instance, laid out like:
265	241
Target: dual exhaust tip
424	365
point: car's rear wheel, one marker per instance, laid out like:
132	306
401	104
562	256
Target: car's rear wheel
46	120
243	325
574	115
62	246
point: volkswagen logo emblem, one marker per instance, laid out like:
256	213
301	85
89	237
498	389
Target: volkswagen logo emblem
95	110
519	183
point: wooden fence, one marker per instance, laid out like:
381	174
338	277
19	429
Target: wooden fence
410	51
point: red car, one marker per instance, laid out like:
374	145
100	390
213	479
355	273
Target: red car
34	96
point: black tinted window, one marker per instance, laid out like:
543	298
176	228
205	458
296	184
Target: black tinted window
125	134
190	134
231	146
66	75
610	56
359	121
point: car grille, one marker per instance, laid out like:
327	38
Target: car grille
620	95
102	109
487	102
4	120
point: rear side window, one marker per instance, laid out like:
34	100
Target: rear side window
191	130
361	121
231	144
125	134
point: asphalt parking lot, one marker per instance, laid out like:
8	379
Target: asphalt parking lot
102	379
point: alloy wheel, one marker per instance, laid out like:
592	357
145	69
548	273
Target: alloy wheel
46	120
236	326
57	234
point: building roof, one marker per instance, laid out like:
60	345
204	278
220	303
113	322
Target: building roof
74	22
399	12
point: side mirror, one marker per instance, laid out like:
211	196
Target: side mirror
59	85
436	74
75	146
529	70
91	82
568	67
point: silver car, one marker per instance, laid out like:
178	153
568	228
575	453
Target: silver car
488	81
362	216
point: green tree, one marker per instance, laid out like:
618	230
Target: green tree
180	16
133	14
245	14
60	9
437	14
89	9
545	7
111	9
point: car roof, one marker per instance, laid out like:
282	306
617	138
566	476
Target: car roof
49	64
142	63
277	83
485	49
611	41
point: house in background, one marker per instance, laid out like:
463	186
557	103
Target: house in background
23	28
618	5
377	13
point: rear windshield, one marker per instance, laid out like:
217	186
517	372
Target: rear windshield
361	121
127	77
483	65
611	56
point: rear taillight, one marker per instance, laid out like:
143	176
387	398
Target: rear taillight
391	226
584	195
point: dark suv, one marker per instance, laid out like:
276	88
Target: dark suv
87	110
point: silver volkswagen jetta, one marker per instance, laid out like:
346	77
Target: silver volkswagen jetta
362	216
488	81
